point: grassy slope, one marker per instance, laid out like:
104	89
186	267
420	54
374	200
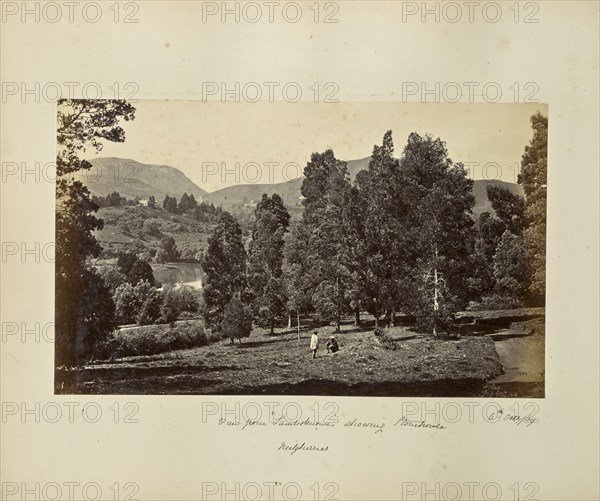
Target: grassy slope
280	364
196	232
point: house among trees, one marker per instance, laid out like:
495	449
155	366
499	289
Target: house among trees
143	203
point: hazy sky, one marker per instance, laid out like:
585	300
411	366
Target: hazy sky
194	136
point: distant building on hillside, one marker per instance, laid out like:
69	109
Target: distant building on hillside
144	203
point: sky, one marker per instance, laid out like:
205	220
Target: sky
221	144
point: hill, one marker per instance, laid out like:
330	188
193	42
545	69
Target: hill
482	202
134	179
241	194
290	190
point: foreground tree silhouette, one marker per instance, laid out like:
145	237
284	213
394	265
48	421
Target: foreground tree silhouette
224	267
84	309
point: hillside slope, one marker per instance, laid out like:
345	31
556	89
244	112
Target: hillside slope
134	179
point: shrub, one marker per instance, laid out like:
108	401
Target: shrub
152	340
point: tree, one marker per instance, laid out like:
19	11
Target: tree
125	261
152	202
141	270
487	233
161	256
151	227
112	277
265	258
81	124
170	204
383	263
130	301
533	177
150	311
224	267
295	271
184	203
237	320
439	196
115	200
510	267
168	244
95	314
509	208
326	188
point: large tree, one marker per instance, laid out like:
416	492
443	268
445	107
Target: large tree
295	271
265	259
487	233
533	177
83	305
384	236
326	188
439	195
224	267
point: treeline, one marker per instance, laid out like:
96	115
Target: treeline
401	238
187	204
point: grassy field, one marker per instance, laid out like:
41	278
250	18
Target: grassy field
408	365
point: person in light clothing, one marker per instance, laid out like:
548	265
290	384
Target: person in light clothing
314	344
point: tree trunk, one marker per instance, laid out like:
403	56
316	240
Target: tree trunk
436	305
357	317
231	340
290	320
376	321
338	319
298	322
272	326
392	317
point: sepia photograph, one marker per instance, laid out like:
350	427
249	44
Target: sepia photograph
306	250
331	249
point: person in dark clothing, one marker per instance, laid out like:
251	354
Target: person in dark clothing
332	345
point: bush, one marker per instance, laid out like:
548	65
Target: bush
386	341
152	340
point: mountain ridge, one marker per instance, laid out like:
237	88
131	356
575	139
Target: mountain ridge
135	179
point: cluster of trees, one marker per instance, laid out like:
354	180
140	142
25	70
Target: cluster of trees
188	204
401	238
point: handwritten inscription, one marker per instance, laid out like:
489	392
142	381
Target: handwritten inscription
304	447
